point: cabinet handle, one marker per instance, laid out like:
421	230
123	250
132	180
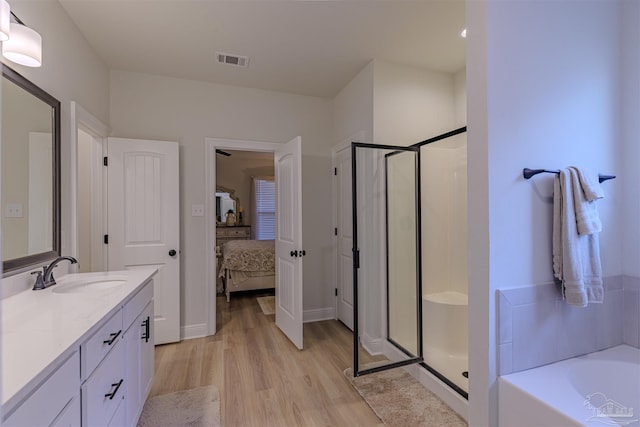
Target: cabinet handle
113	393
113	338
147	329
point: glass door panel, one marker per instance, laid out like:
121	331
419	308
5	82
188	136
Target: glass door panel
386	246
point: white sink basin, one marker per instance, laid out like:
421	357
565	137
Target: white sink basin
88	285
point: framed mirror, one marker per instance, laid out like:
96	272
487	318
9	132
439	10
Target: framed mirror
226	201
30	173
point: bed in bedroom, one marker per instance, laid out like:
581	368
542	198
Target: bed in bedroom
248	265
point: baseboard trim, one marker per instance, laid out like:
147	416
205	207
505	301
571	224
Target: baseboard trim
316	315
374	346
193	331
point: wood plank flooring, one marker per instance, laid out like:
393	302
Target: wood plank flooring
263	379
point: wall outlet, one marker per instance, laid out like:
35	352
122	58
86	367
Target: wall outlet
197	210
13	210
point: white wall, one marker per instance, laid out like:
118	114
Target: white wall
542	92
460	95
411	104
71	71
629	176
353	107
153	107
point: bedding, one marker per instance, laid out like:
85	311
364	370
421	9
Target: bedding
247	265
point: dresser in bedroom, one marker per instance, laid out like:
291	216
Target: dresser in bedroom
225	234
237	232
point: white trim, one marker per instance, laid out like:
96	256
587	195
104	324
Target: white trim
189	332
81	119
456	402
210	146
318	314
374	346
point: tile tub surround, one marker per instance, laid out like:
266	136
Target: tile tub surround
40	329
537	327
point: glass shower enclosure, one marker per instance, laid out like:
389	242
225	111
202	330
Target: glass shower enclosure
409	246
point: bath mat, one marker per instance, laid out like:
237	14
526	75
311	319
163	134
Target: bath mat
267	304
197	407
400	400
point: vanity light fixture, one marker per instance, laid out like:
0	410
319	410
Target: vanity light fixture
24	45
5	19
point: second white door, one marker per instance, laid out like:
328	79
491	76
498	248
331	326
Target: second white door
344	262
289	250
144	221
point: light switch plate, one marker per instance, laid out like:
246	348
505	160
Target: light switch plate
197	210
13	210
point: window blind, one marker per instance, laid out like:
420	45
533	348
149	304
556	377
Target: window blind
265	206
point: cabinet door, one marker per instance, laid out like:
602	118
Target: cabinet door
132	397
51	399
70	416
147	353
139	365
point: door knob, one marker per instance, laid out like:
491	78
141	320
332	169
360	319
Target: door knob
172	252
294	254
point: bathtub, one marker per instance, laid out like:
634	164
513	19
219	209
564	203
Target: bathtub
598	389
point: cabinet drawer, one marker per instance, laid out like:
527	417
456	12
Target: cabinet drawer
136	304
50	398
96	348
103	392
233	232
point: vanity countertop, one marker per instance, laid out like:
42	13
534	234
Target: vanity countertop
42	328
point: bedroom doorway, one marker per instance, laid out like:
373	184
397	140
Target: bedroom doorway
286	219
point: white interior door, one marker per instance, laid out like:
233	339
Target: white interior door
143	222
288	165
345	237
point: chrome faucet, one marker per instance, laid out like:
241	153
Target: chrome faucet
45	277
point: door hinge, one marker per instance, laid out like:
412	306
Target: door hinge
335	231
356	258
336	291
105	161
335	171
106	239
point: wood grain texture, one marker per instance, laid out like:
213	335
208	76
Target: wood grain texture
262	378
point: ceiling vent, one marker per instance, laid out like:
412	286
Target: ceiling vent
235	60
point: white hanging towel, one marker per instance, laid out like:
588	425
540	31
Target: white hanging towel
576	247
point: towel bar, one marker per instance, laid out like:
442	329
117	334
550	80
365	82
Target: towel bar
528	173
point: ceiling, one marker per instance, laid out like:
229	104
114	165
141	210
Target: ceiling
303	47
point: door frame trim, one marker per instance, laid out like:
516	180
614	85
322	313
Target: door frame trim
210	146
81	119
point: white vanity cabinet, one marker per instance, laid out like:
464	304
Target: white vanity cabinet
54	402
100	377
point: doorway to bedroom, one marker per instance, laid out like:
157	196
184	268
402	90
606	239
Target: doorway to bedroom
245	221
254	227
